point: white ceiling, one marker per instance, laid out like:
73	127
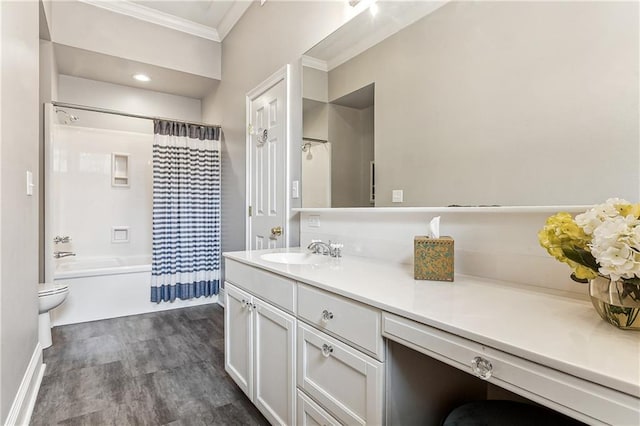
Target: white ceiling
204	12
210	19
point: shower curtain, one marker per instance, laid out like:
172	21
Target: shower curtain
186	211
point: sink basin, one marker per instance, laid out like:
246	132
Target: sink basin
295	258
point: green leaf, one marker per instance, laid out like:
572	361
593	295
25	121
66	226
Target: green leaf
581	256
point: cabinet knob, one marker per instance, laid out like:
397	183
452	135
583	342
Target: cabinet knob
326	316
482	367
327	350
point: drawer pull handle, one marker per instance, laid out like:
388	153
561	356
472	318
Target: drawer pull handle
482	367
327	350
326	316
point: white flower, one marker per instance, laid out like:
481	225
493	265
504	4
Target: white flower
593	217
616	246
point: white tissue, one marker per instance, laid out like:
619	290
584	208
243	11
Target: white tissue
434	227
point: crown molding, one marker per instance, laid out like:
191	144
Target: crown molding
311	62
232	17
157	17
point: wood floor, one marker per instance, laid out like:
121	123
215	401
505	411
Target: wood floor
164	368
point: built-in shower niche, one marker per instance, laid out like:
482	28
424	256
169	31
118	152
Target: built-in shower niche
119	169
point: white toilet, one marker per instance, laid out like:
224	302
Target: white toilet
49	297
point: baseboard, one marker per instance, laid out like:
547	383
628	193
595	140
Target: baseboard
25	400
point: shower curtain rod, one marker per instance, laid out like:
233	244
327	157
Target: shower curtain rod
126	114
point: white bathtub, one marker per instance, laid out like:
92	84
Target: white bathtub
70	267
101	288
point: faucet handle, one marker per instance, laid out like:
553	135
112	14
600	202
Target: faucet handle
336	249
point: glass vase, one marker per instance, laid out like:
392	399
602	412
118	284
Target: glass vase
617	302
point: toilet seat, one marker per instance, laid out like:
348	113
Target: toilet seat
49	289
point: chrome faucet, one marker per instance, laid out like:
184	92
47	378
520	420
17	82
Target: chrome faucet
59	254
325	249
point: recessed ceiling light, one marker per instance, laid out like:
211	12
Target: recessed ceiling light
373	9
142	77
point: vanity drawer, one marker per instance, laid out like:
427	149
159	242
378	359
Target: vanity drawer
575	397
341	379
270	287
343	318
311	414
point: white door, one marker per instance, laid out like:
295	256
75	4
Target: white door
267	164
274	379
238	337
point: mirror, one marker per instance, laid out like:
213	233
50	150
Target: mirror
474	103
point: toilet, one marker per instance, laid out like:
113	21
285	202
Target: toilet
50	296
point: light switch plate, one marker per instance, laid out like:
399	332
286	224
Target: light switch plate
30	184
295	189
397	196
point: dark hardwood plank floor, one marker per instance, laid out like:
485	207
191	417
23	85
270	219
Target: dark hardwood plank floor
164	368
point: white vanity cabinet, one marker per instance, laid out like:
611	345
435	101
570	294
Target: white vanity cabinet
563	392
260	346
337	370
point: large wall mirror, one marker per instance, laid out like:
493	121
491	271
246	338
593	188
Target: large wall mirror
474	103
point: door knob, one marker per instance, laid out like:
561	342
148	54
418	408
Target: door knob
276	231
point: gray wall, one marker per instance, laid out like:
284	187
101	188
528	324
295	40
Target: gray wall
83	91
264	40
351	137
524	103
18	212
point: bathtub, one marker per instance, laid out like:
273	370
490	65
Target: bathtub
109	287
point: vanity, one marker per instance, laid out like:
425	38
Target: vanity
337	340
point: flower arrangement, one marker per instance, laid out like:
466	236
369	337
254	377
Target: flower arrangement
602	247
603	241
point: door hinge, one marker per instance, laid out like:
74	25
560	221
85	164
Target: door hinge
250	211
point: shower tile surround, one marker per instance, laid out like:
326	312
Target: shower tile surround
500	245
87	205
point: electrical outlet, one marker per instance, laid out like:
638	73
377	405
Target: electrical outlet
314	221
397	196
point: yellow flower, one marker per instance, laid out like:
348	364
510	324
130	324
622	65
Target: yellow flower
582	272
562	233
629	209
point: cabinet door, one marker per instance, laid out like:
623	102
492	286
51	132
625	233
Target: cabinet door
238	344
346	382
274	363
311	414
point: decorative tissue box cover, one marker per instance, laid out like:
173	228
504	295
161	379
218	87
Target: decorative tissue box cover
433	258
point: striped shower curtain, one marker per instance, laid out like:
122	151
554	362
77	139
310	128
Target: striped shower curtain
186	211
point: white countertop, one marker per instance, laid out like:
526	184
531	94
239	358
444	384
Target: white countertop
556	331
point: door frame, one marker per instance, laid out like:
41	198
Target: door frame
283	74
